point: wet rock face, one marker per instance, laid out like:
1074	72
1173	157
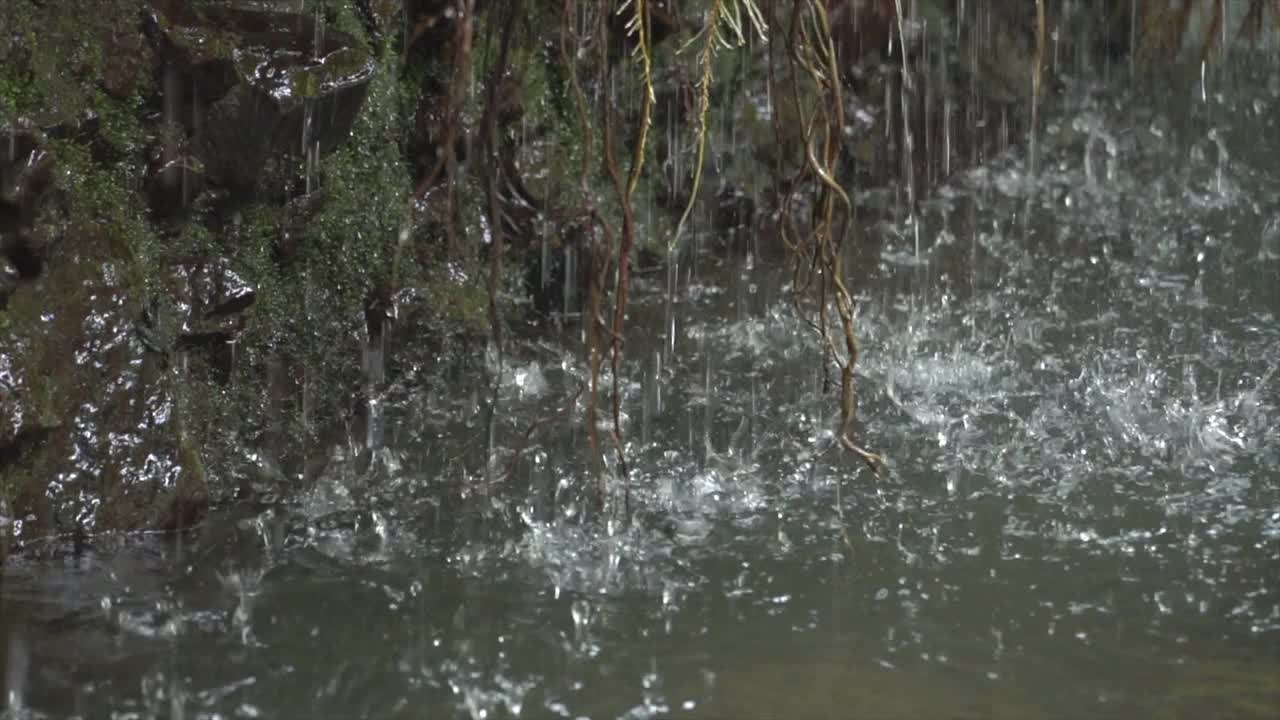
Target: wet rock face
251	85
380	18
125	57
201	309
91	434
211	299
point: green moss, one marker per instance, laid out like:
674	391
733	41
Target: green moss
118	122
306	309
93	194
16	92
49	63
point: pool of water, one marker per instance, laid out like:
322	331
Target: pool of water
1074	380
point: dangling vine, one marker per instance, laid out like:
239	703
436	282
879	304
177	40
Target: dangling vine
721	13
637	25
446	158
818	258
811	51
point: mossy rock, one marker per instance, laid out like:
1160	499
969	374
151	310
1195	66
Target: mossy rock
94	439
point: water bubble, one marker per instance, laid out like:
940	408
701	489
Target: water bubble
581	611
1269	241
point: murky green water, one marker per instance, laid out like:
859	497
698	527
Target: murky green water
1078	393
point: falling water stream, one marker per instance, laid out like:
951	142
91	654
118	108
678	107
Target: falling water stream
1074	377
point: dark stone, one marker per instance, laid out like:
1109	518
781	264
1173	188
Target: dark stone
560	272
430	24
195	56
173	181
255	84
861	29
26	172
9	278
292	234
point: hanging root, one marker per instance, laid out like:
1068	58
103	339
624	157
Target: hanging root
446	157
723	14
570	42
812	54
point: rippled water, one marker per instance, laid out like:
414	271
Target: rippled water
1077	390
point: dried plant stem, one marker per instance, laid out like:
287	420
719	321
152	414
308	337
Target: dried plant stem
704	112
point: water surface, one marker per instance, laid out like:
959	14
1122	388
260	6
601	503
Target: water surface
1074	378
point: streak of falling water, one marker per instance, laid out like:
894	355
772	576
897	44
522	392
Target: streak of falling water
306	368
930	172
544	254
657	388
1222	28
317	48
307	113
374	368
974	107
908	142
1092	126
15	675
1223	158
888	115
947	109
652	394
310	148
675	140
581	612
1133	35
570	284
1055	36
740	280
669	317
170	113
1004	129
709	409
